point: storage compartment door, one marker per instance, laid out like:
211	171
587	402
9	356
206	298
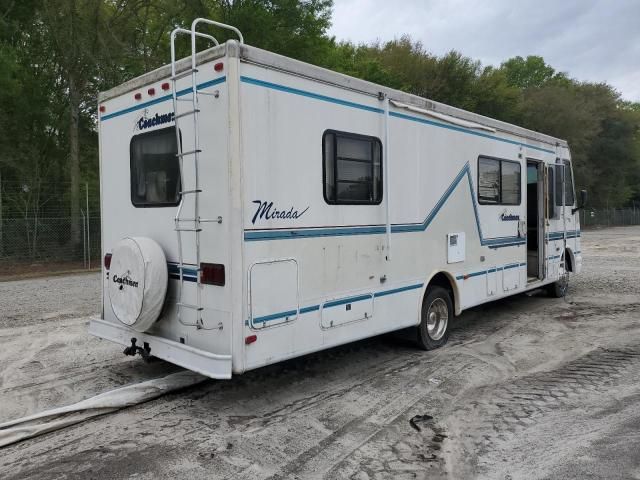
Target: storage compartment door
273	292
346	310
510	278
492	281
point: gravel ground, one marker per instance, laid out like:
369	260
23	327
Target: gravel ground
528	387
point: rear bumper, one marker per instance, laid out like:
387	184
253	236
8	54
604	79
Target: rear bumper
209	364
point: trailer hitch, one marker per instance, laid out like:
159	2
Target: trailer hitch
144	351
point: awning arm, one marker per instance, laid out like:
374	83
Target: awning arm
442	116
386	180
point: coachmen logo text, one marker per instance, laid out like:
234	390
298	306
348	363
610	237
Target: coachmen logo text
158	119
509	217
125	281
267	211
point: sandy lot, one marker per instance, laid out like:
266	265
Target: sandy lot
528	387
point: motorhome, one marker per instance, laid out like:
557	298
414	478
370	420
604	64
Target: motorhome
256	208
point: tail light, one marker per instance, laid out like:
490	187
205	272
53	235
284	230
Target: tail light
107	261
212	274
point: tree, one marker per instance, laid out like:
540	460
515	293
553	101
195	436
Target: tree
56	55
530	72
77	39
295	28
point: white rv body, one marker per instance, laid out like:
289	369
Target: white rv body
303	274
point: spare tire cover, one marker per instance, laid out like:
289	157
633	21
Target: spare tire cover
137	282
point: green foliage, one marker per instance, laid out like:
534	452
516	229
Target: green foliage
602	130
529	72
55	56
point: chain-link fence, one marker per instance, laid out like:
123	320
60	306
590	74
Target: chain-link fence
609	217
50	239
38	232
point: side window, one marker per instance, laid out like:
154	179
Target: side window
488	180
352	168
155	171
568	184
499	182
511	184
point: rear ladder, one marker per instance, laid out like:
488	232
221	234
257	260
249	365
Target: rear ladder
181	223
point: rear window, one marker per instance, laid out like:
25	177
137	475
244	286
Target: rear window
155	171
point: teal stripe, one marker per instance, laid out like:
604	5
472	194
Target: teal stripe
491	270
275	316
164	98
560	235
188	274
359	106
304	93
398	290
284	234
173	276
345	301
335	303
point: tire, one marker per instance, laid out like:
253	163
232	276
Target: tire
559	288
437	313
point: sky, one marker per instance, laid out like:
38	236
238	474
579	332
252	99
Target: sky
590	40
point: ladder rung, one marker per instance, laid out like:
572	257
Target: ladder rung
188	267
180	99
188	305
190	112
213	94
184	74
182	229
190	191
190	152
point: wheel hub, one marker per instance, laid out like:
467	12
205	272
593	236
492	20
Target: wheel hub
437	319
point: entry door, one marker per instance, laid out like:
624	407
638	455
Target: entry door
535	220
555	234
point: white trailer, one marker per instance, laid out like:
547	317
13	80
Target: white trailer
256	208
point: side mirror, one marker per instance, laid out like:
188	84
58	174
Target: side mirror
583	198
583	201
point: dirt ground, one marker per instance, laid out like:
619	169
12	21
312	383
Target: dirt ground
528	387
11	271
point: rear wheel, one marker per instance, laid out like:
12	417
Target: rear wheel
437	312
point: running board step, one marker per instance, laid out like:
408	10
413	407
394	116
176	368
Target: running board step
192	307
